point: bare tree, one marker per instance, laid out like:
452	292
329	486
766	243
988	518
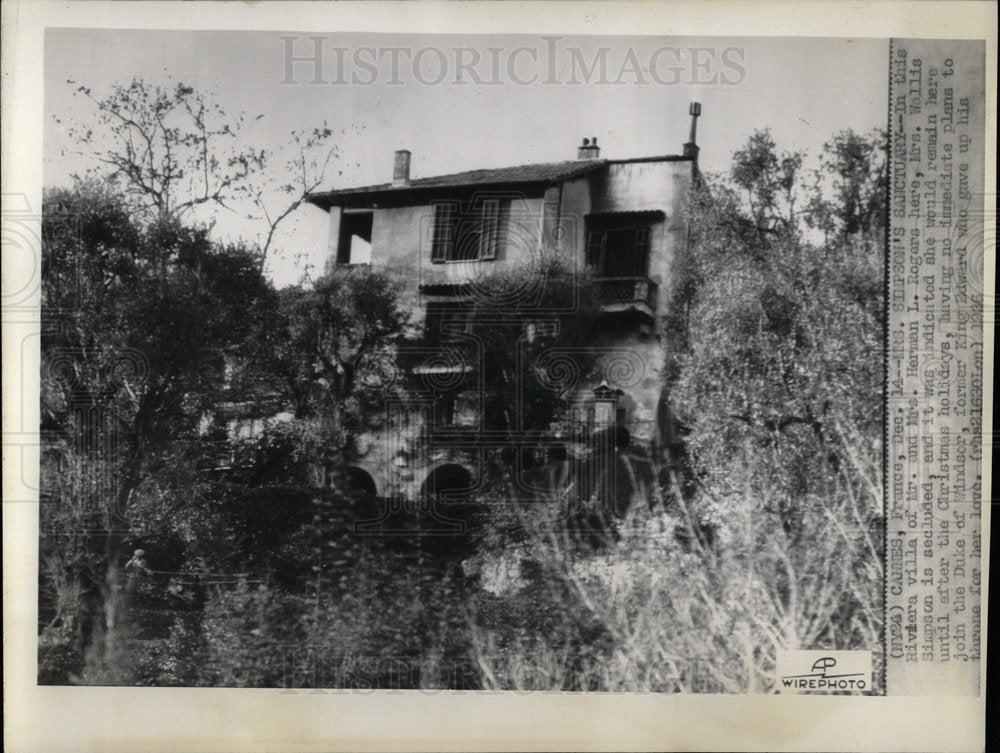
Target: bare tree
175	151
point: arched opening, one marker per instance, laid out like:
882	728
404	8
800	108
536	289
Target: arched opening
359	483
354	495
447	511
450	481
355	482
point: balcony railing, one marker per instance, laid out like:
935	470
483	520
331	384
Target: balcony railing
621	293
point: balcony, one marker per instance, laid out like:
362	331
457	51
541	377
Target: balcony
616	294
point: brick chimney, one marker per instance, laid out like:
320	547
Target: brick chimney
588	149
401	168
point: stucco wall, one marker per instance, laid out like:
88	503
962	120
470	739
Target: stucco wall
566	210
397	458
333	239
635	186
641	186
633	364
397	247
402	237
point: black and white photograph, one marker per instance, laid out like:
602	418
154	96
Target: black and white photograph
499	362
574	396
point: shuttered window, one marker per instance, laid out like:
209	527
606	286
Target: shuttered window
595	247
641	251
489	230
445	221
474	234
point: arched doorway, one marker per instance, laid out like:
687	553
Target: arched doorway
351	480
447	511
354	496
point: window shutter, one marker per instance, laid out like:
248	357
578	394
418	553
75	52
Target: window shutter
489	229
444	229
595	242
642	251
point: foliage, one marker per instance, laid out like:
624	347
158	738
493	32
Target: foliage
142	317
513	317
556	306
312	341
151	321
787	442
770	539
144	314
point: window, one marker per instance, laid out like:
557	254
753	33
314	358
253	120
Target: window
489	229
355	243
445	219
618	242
245	428
619	252
471	233
455	409
445	319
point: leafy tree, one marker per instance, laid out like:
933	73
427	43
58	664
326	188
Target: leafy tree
767	181
144	313
158	326
134	354
315	347
780	387
853	170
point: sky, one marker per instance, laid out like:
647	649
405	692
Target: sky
461	102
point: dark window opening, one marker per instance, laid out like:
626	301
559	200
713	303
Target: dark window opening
446	319
455	409
470	233
618	251
354	245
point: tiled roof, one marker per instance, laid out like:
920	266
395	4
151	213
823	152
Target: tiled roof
542	172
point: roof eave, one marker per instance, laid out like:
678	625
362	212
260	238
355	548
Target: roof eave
328	199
